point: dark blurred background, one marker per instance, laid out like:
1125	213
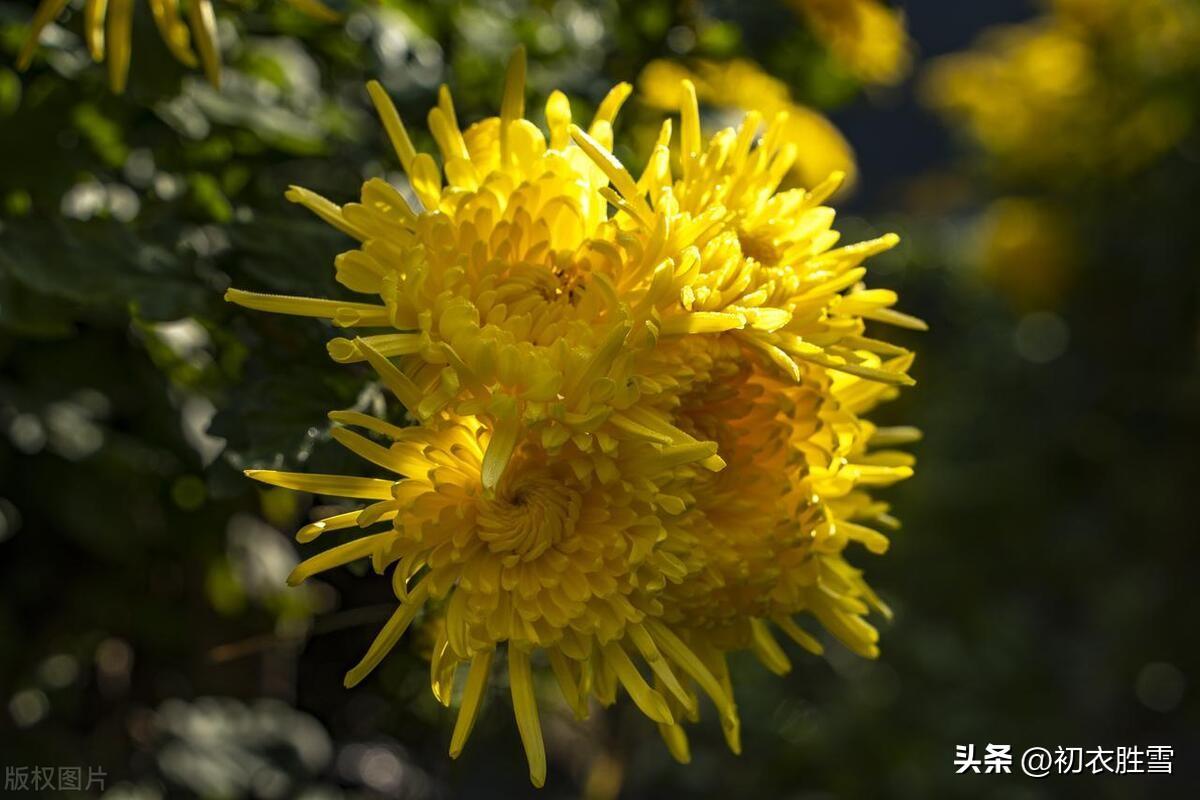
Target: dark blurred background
1045	179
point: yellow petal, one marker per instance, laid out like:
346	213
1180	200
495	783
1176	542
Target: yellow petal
525	710
558	119
172	30
396	381
674	648
328	211
204	31
512	105
564	674
361	313
94	13
392	124
335	523
615	170
335	485
500	448
677	743
799	635
477	681
120	29
702	322
391	633
767	648
689	111
338	556
46	13
609	107
650	702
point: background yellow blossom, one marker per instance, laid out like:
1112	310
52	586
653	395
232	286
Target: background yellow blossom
1091	87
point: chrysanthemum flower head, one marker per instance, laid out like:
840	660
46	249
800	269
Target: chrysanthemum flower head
548	561
636	400
108	31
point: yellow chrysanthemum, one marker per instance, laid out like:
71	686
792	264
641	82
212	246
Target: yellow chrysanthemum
869	38
741	84
1089	88
108	30
550	560
587	357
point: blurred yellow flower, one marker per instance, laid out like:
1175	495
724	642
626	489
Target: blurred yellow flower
638	441
869	38
1090	88
742	85
108	31
1026	250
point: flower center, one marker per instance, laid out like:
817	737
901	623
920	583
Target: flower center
529	517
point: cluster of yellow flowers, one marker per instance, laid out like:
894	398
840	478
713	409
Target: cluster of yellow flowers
741	85
1091	87
866	36
637	404
108	31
